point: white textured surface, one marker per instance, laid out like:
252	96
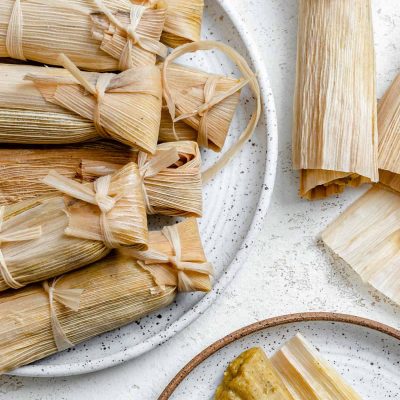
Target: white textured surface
289	269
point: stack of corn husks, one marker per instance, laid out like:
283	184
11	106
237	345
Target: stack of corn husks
89	146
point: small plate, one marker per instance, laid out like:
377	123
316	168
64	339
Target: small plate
365	352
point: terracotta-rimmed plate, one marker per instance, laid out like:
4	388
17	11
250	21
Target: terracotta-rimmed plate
365	352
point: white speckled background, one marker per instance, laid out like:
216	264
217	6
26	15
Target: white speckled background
289	269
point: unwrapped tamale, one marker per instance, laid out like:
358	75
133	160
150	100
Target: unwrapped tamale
175	190
41	105
335	139
40	320
44	238
97	35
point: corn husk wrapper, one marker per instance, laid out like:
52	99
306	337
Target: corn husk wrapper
97	35
335	141
367	237
50	106
174	191
251	376
307	375
108	294
72	232
389	136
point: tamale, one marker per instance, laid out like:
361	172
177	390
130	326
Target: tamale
367	237
38	321
175	190
251	376
389	136
97	35
182	22
307	375
335	142
41	105
44	238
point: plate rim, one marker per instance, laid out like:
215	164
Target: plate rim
270	119
271	323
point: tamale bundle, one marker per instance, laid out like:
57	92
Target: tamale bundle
96	35
44	238
367	237
41	105
182	22
335	141
171	177
307	375
42	319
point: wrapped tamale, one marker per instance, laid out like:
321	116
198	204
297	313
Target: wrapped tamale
41	105
251	376
172	182
307	375
96	35
182	22
46	237
335	142
40	320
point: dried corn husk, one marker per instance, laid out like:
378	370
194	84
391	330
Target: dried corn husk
96	35
367	237
72	233
251	376
104	296
175	190
335	124
50	106
183	21
389	136
307	375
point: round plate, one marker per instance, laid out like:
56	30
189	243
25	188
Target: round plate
365	352
230	221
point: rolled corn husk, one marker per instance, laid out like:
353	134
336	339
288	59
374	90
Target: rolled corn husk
104	296
97	35
50	106
307	375
175	190
335	141
367	237
71	232
389	136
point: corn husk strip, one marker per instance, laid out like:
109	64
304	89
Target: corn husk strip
307	375
72	233
335	124
212	99
116	291
389	135
367	237
39	30
252	376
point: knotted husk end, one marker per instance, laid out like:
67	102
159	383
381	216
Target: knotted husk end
318	184
187	90
127	220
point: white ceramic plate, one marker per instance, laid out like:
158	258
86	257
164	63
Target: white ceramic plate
235	204
366	353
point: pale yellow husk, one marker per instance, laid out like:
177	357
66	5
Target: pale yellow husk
79	29
251	376
187	89
307	375
53	108
335	141
367	237
116	291
389	136
72	235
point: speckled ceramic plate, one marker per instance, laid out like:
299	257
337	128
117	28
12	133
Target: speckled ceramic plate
366	353
235	204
